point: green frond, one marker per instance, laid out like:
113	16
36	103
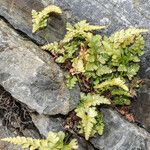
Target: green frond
88	120
103	70
71	81
121	100
126	37
93	100
78	65
39	19
114	82
79	29
54	141
120	92
99	127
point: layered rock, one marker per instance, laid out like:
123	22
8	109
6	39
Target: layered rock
31	76
119	134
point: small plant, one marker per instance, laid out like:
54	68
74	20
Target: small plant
107	64
54	141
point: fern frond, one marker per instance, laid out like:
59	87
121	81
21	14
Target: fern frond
93	100
54	141
79	29
25	142
71	81
126	37
114	82
120	100
39	19
87	119
120	92
103	70
99	127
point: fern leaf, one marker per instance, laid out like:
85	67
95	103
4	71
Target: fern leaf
39	19
24	142
120	100
99	127
87	119
78	65
114	82
93	100
71	81
120	92
79	29
126	37
103	70
54	141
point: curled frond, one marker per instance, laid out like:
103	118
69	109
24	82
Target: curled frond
39	19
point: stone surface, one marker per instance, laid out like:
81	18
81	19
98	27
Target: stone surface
31	76
141	107
119	134
6	133
47	123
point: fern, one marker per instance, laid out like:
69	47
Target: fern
114	82
103	64
39	19
71	81
79	29
88	114
127	37
54	141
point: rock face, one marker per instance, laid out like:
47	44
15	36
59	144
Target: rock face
120	134
141	107
6	133
31	76
46	123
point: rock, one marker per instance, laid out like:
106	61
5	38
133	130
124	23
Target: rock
4	132
47	123
31	76
119	134
141	107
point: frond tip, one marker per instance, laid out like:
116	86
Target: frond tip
39	19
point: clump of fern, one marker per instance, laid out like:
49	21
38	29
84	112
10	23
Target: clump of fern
109	63
54	141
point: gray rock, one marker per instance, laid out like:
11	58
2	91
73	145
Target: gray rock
4	132
141	107
47	123
31	76
119	134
